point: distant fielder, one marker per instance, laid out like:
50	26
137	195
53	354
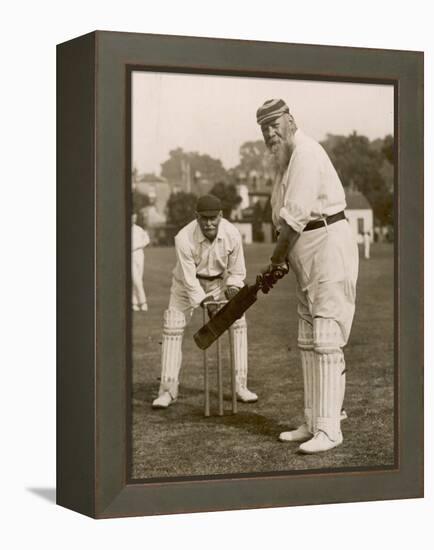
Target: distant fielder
316	240
210	267
139	240
367	244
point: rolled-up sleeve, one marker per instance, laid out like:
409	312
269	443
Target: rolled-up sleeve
236	268
188	270
303	185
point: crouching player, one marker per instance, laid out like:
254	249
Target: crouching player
210	267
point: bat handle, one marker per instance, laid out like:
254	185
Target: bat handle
278	273
264	285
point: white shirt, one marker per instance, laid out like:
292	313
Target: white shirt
309	189
139	237
196	255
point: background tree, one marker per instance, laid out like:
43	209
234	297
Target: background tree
181	208
227	193
254	162
360	164
182	165
139	201
388	148
253	156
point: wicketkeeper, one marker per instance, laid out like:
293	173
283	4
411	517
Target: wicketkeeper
210	267
316	240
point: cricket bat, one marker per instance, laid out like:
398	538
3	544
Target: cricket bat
229	313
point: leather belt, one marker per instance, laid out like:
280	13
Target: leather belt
323	222
209	277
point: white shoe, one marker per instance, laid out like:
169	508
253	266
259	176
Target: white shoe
300	434
163	401
319	443
144	307
246	396
136	307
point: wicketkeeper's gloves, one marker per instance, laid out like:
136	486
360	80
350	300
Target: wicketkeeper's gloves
231	291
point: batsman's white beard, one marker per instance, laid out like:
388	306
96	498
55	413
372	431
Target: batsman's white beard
280	157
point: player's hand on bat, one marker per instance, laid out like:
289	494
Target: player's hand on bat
271	274
210	307
266	280
231	291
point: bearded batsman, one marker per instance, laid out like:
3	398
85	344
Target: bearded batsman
316	241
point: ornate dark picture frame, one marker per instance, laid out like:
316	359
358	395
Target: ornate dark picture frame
93	379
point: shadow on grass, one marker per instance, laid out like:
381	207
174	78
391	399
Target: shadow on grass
244	421
188	410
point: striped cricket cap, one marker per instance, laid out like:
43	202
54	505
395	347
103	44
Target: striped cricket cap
273	108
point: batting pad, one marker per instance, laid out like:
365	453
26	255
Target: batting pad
327	335
239	349
305	335
342	381
327	398
305	344
171	353
308	365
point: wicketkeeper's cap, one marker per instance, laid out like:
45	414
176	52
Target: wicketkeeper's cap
271	109
208	205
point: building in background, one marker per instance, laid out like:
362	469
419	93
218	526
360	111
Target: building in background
253	214
158	191
152	215
359	213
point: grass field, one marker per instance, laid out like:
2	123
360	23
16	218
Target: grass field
180	441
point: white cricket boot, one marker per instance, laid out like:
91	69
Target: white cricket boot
163	401
246	396
320	443
302	433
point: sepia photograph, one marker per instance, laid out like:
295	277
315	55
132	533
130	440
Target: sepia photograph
213	354
262	276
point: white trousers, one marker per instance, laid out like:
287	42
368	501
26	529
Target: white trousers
325	262
137	266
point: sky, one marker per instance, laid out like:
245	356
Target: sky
215	115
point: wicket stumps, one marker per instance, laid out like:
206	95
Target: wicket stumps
219	371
